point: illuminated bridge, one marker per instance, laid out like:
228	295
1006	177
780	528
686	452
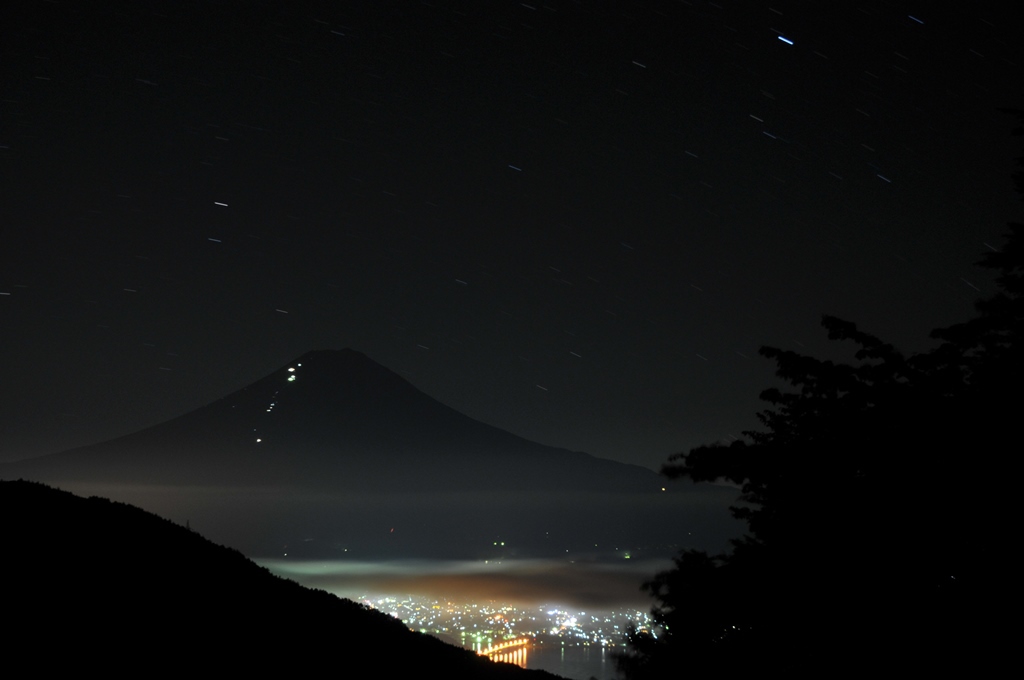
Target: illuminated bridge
510	651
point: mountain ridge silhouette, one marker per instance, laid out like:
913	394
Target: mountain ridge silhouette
100	584
335	445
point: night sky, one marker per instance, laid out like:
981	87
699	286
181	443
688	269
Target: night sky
577	221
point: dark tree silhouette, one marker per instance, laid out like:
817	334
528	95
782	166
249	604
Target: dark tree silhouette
877	510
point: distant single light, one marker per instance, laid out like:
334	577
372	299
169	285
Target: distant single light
786	40
258	440
291	370
291	378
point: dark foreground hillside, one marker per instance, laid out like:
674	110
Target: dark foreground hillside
90	583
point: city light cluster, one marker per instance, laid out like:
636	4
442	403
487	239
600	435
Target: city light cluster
483	626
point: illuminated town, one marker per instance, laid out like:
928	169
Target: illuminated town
488	628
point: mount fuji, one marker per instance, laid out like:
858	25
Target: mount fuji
333	452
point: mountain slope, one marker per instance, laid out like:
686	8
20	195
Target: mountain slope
95	584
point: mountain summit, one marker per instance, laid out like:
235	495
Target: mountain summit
334	439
